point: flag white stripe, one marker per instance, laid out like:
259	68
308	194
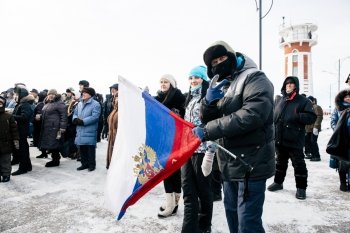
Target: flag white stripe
131	135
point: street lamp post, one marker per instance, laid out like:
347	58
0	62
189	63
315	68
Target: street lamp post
260	35
339	63
260	29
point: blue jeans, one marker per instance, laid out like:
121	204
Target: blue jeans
244	216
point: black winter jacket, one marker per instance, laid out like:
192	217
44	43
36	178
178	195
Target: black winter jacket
173	100
23	114
8	132
290	117
243	121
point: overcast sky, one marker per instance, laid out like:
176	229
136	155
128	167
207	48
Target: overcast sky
56	43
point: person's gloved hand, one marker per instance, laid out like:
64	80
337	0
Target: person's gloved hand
16	143
211	146
214	92
315	131
104	132
199	132
207	163
78	121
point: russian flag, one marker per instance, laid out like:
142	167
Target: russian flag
152	142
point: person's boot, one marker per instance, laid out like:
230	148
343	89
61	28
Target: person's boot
82	167
53	163
170	206
300	194
274	187
5	179
19	172
343	187
43	155
177	198
308	156
14	162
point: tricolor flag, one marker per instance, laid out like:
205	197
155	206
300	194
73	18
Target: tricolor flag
152	142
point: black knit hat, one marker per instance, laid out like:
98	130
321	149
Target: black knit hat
89	90
35	91
84	83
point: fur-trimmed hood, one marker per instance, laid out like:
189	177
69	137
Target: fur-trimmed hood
339	99
29	98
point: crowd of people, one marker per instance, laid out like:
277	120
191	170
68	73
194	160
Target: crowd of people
229	101
68	125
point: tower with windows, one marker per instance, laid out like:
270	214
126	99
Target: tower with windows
297	40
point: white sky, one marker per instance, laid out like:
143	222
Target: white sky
56	43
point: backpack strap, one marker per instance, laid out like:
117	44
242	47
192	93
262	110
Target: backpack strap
237	84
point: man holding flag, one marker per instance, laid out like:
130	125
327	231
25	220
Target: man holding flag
238	111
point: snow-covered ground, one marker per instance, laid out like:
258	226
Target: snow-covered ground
62	199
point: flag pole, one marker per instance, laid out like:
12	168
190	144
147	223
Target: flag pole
234	156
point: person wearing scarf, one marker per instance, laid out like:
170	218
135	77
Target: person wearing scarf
292	112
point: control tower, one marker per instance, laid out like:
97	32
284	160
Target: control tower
297	40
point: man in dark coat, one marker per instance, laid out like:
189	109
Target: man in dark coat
238	111
292	112
23	114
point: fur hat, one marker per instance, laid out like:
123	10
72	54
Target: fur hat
52	92
89	90
70	90
199	71
84	83
216	50
21	90
170	79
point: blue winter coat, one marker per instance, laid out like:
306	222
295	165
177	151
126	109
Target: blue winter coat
89	112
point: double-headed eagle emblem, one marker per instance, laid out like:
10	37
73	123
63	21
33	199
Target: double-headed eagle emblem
146	164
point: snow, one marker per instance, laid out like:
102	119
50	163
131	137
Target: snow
62	199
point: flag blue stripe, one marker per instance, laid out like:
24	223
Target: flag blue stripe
159	123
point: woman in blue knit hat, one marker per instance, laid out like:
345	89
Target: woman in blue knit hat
197	192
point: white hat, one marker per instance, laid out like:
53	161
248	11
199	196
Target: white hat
170	79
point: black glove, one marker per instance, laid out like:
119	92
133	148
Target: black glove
78	121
